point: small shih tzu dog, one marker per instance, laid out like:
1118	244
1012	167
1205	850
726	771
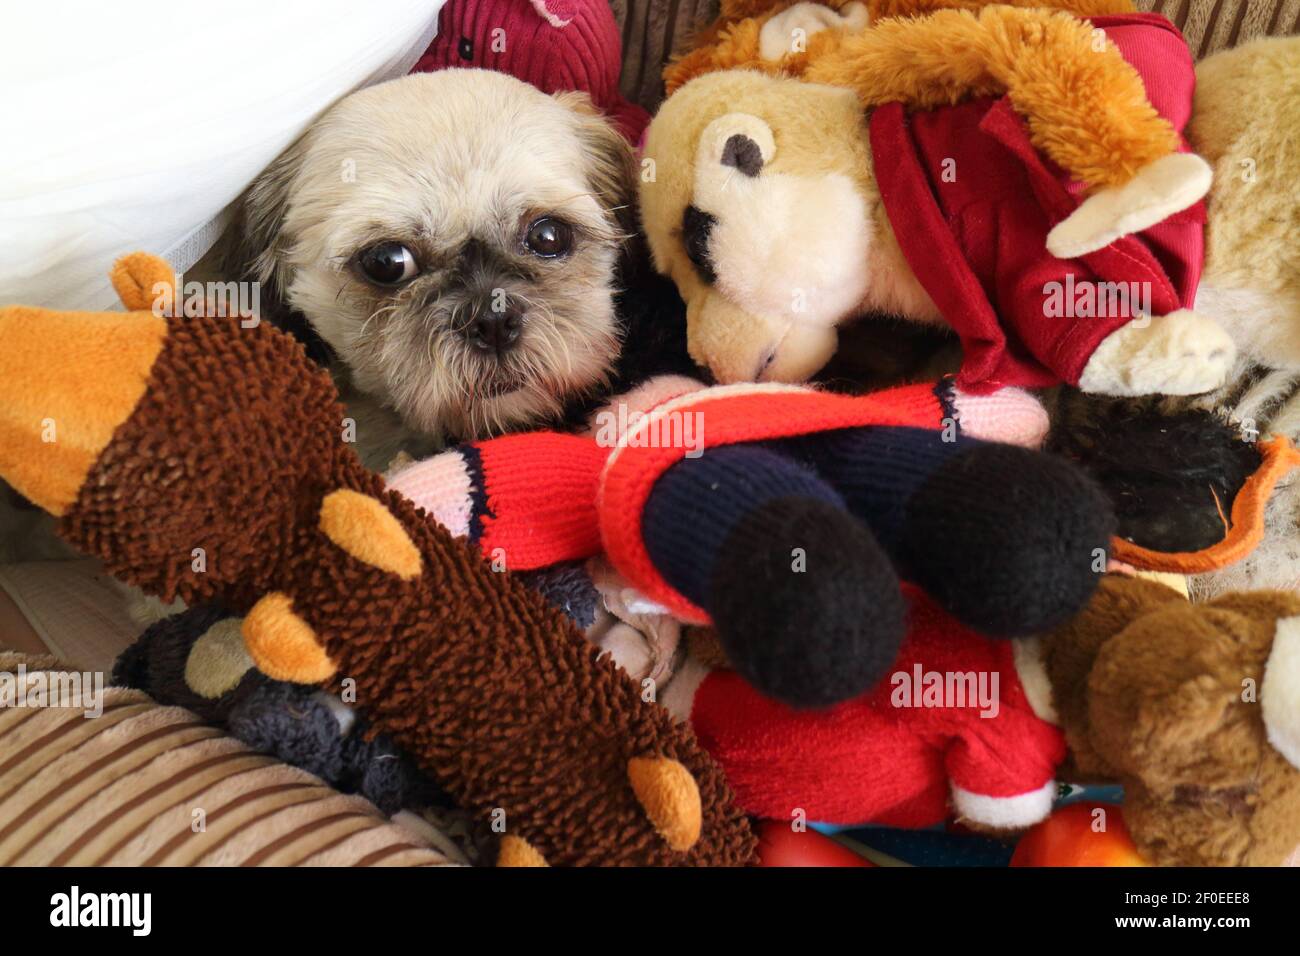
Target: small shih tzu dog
453	239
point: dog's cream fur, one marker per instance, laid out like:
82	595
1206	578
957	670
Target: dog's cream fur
454	165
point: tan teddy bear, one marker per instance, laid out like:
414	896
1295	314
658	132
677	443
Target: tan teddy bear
1195	709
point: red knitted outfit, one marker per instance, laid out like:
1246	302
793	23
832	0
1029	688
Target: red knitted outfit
538	499
869	761
543	498
972	201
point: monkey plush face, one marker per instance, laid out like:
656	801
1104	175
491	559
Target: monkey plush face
757	200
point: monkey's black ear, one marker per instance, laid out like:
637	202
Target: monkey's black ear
255	250
742	153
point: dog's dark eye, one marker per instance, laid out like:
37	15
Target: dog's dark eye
388	263
549	238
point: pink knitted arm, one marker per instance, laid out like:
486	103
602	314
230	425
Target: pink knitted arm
1009	415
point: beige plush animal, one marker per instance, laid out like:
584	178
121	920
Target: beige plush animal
762	199
1246	123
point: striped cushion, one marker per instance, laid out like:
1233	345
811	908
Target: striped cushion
145	785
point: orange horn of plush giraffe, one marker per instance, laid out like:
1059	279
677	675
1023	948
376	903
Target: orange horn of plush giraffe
202	459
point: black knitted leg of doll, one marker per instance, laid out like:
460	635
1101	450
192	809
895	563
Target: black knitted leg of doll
805	602
1011	541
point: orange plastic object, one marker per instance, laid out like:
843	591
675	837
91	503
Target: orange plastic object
1069	837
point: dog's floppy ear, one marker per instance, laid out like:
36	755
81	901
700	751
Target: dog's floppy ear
611	164
257	251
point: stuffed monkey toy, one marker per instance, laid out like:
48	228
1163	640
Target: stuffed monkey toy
1086	108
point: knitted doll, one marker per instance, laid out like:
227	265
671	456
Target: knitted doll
1086	108
556	45
786	516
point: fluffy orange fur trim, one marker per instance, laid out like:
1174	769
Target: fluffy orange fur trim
731	41
1086	107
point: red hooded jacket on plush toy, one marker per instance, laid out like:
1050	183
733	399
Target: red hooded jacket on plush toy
555	45
971	201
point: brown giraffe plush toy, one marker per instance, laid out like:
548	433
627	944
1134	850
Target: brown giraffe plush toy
201	459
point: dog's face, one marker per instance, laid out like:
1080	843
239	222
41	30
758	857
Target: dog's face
453	236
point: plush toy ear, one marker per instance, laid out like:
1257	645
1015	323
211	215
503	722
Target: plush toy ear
142	281
734	146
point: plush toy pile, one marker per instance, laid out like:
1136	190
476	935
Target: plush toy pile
901	609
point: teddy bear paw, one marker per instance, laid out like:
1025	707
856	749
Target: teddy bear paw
1182	353
1157	191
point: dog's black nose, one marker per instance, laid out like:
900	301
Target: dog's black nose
496	330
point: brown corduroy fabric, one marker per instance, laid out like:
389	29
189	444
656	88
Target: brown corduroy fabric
232	449
146	785
1213	25
652	31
